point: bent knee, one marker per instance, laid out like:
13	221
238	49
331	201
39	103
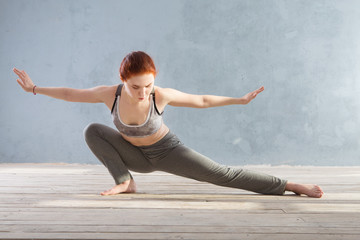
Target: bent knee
91	129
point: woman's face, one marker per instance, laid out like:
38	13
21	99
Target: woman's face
139	87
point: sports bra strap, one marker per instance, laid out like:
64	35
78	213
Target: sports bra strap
118	90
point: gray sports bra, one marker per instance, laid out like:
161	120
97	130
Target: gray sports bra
152	123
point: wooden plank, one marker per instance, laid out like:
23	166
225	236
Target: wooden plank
78	228
248	207
62	201
156	204
169	236
183	217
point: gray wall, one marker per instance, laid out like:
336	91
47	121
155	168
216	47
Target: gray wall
305	53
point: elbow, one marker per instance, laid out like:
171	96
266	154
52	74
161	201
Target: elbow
66	95
205	103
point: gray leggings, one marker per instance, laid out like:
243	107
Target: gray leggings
170	155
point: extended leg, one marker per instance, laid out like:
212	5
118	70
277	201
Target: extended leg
186	162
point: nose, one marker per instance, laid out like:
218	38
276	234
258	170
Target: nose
143	92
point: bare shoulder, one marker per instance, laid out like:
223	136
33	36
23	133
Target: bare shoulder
159	91
106	91
107	94
164	93
162	97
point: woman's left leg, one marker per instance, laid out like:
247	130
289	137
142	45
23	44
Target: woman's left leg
186	162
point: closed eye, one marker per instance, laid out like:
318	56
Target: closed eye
137	87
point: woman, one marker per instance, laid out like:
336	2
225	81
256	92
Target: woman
143	143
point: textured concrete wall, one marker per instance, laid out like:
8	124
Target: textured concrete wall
305	53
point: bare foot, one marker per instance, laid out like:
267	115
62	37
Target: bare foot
310	190
128	186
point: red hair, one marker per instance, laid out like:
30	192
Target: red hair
136	63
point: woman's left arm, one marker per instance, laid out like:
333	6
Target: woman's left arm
176	98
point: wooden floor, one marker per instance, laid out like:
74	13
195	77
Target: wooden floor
62	201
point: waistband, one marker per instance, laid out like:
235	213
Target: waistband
167	137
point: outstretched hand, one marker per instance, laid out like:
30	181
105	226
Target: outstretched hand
251	95
25	81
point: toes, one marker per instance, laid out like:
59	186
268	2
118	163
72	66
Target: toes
318	194
107	192
110	192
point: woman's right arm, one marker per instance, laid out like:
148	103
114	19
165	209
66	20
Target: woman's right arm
91	95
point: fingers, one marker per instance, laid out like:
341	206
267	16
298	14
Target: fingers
20	81
23	76
21	84
18	72
23	79
24	73
21	73
256	92
259	90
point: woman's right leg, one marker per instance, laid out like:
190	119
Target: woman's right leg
186	162
117	155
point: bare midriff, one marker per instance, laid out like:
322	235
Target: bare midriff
149	140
